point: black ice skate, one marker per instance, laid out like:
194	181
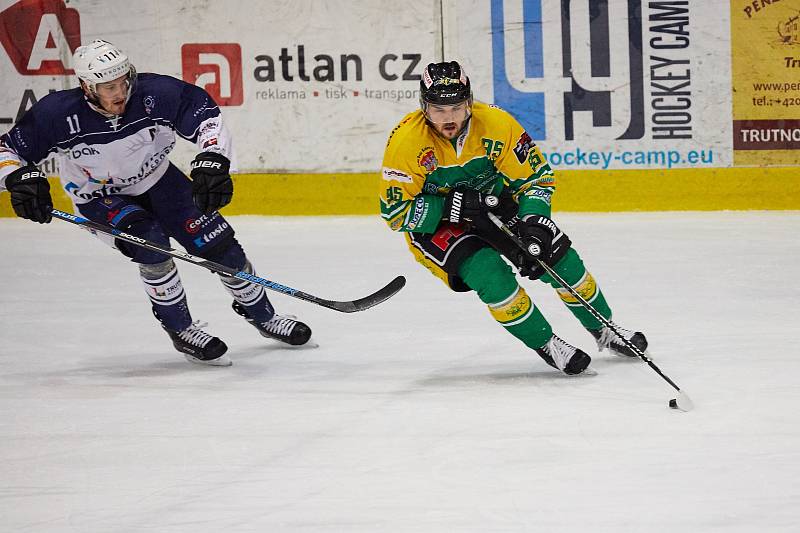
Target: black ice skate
198	346
279	327
563	356
606	338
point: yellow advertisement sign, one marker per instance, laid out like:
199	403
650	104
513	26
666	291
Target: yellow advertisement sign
765	58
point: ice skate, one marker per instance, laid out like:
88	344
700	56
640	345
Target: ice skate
198	346
280	327
563	356
606	338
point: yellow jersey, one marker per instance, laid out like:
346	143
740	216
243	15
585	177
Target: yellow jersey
494	153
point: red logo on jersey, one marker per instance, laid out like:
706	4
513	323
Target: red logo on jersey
193	225
427	159
523	147
443	235
217	67
40	36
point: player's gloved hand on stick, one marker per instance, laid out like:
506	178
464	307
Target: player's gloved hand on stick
462	205
212	187
30	194
537	232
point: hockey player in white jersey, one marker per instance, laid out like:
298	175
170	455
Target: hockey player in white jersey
112	137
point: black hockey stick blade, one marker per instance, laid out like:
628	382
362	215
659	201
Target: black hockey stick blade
391	288
345	307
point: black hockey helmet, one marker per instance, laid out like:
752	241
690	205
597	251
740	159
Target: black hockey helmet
444	83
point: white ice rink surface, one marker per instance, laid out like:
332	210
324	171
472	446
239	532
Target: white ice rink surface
420	414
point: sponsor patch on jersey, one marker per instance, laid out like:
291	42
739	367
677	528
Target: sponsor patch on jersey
392	174
101	181
419	213
548	180
211	142
524	145
77	153
149	103
430	188
539	194
208	125
427	159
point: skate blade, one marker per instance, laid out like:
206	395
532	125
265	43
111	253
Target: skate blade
587	373
646	353
222	360
309	345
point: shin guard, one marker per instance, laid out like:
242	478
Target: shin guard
251	296
163	286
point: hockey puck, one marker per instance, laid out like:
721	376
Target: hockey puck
673	403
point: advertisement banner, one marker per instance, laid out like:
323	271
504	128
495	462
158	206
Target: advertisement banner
604	84
306	86
648	104
765	52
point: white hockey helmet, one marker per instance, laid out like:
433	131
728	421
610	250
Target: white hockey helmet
99	62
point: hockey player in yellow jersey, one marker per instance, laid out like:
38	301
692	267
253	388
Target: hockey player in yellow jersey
440	164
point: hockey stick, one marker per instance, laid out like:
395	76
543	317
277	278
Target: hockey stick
682	401
345	307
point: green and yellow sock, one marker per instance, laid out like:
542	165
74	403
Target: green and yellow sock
572	270
496	284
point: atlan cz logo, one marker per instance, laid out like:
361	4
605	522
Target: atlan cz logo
37	35
217	67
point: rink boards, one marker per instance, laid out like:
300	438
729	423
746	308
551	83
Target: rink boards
638	105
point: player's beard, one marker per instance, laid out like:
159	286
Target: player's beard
451	130
448	130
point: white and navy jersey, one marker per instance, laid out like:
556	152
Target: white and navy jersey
127	154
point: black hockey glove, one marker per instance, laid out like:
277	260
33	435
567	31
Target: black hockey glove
212	187
30	194
537	232
463	205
